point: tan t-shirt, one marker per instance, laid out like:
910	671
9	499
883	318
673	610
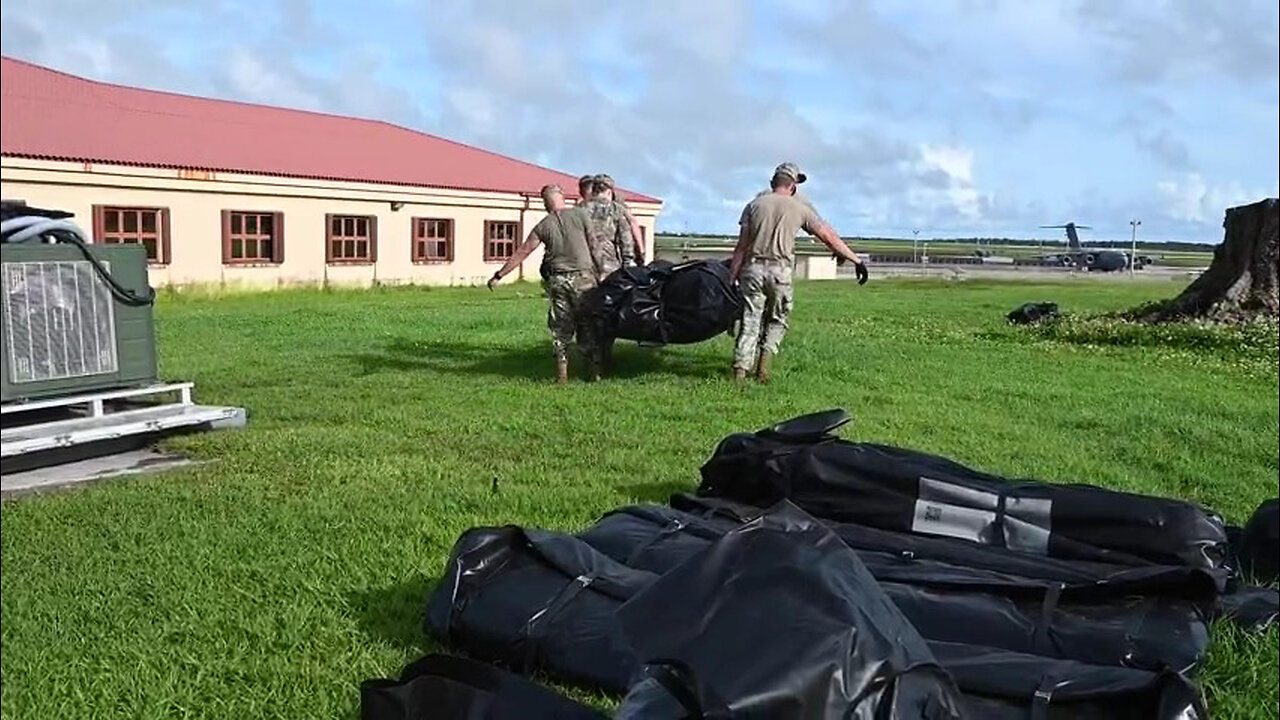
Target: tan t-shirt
772	222
566	239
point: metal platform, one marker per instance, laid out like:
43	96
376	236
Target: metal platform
46	425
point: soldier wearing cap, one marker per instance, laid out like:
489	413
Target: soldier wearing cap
569	272
611	246
762	264
637	240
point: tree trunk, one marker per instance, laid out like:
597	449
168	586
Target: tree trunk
1240	283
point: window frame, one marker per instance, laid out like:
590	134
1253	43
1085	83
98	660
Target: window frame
415	239
372	240
164	251
277	238
515	241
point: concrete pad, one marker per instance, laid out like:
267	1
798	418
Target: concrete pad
132	462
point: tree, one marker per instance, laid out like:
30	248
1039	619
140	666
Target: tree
1241	282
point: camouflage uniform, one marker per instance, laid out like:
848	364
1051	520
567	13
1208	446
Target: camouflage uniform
772	222
610	235
767	299
568	274
566	293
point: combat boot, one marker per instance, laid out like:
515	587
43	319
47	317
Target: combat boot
562	372
762	369
739	375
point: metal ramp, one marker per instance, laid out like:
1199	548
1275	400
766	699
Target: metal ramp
46	426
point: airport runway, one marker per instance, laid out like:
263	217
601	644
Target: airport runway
1023	272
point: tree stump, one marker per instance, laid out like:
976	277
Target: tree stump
1241	282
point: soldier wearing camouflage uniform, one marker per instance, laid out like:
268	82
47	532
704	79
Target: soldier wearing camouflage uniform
611	247
637	241
762	264
569	272
611	241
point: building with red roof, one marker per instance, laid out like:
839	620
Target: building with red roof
236	193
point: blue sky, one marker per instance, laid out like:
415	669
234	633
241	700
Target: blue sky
957	117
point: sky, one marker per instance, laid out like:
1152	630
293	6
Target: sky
951	117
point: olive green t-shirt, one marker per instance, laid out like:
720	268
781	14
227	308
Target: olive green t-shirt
772	222
566	241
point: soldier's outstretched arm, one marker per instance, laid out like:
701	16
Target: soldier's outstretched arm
526	249
828	236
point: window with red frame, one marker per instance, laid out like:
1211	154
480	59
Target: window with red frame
146	226
351	238
500	240
252	237
432	240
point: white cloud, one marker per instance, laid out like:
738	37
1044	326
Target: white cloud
960	191
968	115
1192	199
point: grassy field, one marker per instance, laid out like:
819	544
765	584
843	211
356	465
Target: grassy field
1171	258
270	581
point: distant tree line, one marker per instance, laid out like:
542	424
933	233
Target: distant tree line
1167	245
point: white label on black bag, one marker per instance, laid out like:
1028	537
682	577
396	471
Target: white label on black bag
952	510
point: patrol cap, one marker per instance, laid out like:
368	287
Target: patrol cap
791	170
586	180
605	180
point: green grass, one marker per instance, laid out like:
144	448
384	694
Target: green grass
272	580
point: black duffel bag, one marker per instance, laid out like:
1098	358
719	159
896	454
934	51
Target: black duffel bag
666	304
903	490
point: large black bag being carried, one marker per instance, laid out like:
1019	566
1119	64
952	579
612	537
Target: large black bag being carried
896	489
661	303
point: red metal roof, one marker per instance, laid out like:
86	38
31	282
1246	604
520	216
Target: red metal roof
51	115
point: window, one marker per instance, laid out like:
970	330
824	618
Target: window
432	240
351	239
252	238
500	240
144	226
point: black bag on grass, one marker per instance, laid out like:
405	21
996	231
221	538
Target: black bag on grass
537	601
778	619
902	490
661	303
1257	551
1090	620
447	687
1031	313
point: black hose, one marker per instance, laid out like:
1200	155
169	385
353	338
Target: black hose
64	232
120	292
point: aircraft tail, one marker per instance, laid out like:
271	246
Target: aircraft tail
1073	240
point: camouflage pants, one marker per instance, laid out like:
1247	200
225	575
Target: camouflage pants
565	317
766	294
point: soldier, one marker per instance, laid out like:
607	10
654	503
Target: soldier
763	261
568	273
610	232
637	238
611	247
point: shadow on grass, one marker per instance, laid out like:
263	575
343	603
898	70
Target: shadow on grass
532	362
394	614
657	492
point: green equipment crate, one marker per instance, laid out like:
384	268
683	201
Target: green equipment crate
64	331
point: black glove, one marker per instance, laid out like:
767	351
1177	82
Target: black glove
860	270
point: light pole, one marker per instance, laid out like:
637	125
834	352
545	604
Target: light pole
914	241
1133	244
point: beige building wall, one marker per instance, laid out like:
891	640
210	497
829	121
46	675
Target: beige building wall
196	200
